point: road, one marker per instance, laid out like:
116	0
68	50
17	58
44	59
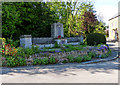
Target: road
105	72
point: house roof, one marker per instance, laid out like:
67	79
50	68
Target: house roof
116	15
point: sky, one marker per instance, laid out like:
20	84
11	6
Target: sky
106	8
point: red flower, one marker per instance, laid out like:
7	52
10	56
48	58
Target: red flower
9	45
59	36
3	51
10	49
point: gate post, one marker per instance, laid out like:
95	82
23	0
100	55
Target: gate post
26	41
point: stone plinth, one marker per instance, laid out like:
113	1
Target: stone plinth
61	41
26	41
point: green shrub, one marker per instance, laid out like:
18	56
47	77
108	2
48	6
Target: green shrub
67	50
13	61
70	58
95	39
20	52
75	48
68	46
21	61
106	54
3	40
103	56
71	48
109	52
36	49
52	60
44	61
99	45
65	61
14	43
28	51
78	59
97	56
37	62
56	45
86	58
91	54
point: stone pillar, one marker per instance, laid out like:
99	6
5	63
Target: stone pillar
26	41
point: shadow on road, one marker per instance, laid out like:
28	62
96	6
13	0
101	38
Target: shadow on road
92	68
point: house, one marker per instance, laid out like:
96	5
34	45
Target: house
114	27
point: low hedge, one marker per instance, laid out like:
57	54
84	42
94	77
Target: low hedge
95	39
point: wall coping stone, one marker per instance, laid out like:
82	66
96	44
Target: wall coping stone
26	36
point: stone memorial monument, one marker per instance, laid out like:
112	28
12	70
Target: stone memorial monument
57	30
57	35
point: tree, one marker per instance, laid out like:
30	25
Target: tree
100	28
35	18
89	22
10	17
73	16
81	18
20	18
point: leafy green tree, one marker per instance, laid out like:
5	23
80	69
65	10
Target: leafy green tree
35	18
10	17
20	18
77	19
100	28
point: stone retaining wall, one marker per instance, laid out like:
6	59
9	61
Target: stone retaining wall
49	40
28	41
59	56
46	40
73	39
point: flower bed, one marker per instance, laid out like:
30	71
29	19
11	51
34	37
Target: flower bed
88	53
12	56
